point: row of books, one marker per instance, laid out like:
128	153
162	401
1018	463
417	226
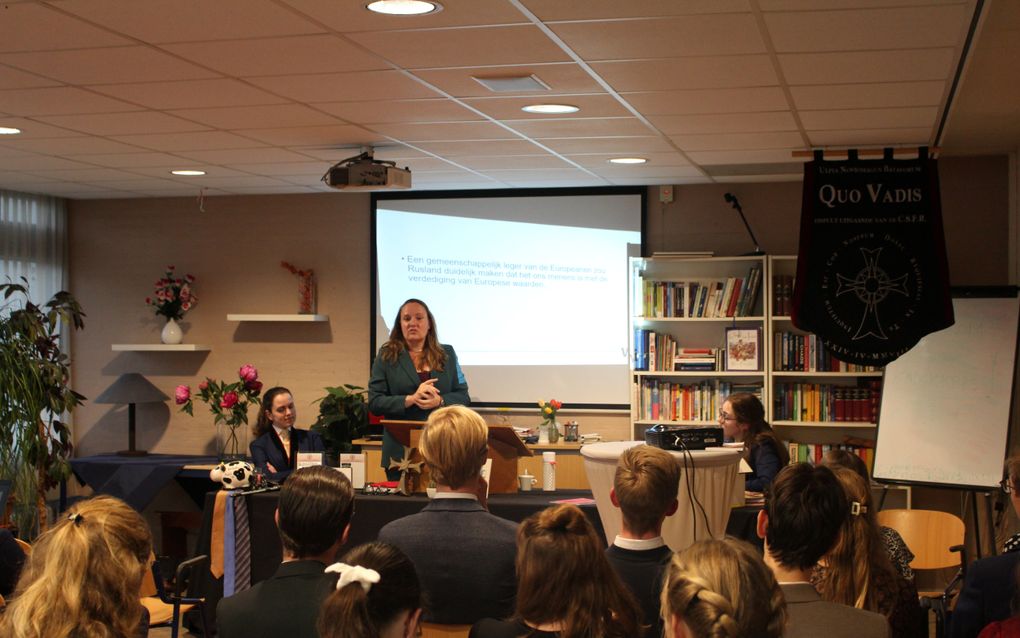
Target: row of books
826	402
660	352
659	400
732	297
782	295
806	353
813	452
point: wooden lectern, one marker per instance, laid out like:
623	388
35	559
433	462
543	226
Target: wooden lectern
505	447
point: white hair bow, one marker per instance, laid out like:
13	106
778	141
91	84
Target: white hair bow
353	574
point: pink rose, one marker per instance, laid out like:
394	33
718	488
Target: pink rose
204	385
190	278
182	394
229	400
169	267
185	306
255	386
148	300
248	373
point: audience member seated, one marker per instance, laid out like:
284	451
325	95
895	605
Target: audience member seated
743	419
899	553
857	570
277	442
313	517
721	589
83	576
805	509
990	584
377	595
565	586
11	560
645	489
463	554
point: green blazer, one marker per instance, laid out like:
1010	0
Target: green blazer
391	382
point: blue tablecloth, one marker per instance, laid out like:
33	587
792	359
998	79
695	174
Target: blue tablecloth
135	479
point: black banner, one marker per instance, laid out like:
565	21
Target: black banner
872	275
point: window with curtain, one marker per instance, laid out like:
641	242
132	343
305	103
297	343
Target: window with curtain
33	242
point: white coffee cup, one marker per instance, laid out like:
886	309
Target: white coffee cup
526	482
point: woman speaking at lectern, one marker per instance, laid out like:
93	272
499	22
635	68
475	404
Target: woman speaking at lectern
413	374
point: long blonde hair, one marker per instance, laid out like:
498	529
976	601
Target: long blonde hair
83	576
723	589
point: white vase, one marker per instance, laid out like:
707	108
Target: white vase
172	333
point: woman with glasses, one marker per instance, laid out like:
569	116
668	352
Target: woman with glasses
743	419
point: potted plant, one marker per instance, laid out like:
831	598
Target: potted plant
343	417
35	443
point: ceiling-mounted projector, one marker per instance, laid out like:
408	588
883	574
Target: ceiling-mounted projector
365	173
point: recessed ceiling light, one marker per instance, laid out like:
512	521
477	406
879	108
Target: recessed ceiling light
404	7
628	160
6	130
553	109
188	172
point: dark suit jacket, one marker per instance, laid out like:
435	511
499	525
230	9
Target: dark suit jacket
987	592
391	382
641	571
11	560
284	606
269	449
808	616
464	557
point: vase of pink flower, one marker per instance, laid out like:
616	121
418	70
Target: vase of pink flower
228	403
172	298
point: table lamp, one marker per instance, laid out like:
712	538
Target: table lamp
131	388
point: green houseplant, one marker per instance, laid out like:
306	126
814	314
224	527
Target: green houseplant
35	443
343	417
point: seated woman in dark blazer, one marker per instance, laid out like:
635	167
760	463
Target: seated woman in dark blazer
277	442
413	374
743	419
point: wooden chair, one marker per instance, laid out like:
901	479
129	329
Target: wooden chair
937	542
433	630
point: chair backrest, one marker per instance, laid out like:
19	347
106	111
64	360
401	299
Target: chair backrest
433	630
929	534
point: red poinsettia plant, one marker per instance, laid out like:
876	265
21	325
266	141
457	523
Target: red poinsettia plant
228	402
173	296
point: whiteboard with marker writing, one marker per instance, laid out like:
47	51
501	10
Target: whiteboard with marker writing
944	417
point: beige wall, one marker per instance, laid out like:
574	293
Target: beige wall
119	247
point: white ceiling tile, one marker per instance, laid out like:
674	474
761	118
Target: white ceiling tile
560	77
107	65
31	26
385	151
241	156
32	128
391	111
863	96
605	9
340	18
580	127
867	66
82	175
344	87
11	78
284	169
725	123
619	146
862	30
877	137
613	171
712	158
513	161
455	149
831	5
521	44
190	20
737	141
278	56
31	163
706	101
212	172
267	116
509	108
752	179
202	140
122	123
598	160
915	117
546	174
58	100
338	135
190	94
131	160
689	73
70	146
444	131
664	37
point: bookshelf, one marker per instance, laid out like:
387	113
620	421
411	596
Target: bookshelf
810	398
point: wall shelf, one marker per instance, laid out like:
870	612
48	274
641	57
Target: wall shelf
278	318
159	347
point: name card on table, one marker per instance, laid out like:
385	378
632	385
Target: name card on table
353	465
310	459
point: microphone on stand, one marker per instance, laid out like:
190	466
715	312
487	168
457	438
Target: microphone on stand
732	200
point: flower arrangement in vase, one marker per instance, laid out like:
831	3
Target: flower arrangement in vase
228	403
306	287
173	297
548	427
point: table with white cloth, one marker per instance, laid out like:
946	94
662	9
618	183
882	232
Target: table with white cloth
708	478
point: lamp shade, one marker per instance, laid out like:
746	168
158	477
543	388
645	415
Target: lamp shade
131	388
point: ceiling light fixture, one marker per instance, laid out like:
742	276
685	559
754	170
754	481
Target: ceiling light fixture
550	109
7	130
188	172
628	160
404	7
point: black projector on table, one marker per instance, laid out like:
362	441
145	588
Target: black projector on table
683	437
